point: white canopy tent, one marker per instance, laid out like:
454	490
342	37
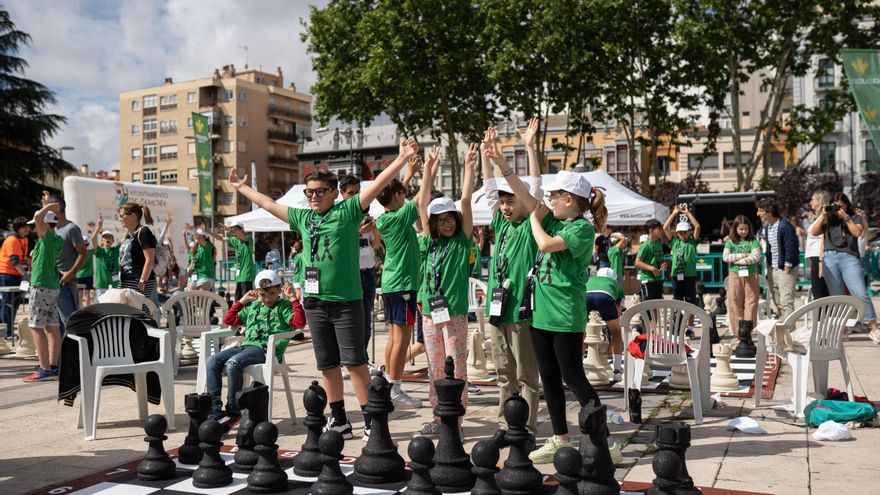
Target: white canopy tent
625	207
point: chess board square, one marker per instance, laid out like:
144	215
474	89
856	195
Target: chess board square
108	488
227	458
239	482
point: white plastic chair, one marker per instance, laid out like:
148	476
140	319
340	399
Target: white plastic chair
475	305
665	322
111	355
211	343
826	319
196	316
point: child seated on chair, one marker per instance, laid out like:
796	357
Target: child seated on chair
263	312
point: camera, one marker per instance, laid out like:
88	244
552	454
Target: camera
832	209
367	219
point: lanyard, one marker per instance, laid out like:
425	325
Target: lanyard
501	261
313	235
437	256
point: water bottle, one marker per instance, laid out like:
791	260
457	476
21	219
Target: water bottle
615	417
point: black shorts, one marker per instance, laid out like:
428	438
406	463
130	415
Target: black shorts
604	304
652	289
337	331
685	290
89	282
401	308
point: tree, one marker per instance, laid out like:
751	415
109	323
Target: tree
796	185
24	128
866	198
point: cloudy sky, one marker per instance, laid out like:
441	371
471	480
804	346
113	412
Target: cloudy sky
90	51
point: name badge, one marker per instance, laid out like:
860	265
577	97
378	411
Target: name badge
439	309
680	277
495	303
743	271
312	276
24	286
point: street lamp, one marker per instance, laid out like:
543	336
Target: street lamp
62	149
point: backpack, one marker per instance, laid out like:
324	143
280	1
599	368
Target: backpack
820	411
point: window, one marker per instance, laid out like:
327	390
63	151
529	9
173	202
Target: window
228	120
746	114
777	160
168	152
150	125
135	153
827	156
871	155
229	95
135	129
190	148
167	176
242	95
194	198
242	121
622	158
149	101
228	147
227	198
765	87
149	155
136	177
168	127
729	161
192	173
189	122
825	74
242	147
610	161
663	164
192	97
259	80
168	100
520	161
710	162
149	175
135	105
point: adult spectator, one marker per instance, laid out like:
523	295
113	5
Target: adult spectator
782	255
13	266
73	257
841	263
137	253
600	249
813	250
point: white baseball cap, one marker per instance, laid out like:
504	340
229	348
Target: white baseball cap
643	238
503	186
267	278
234	223
607	272
683	227
48	218
616	237
571	182
441	205
201	233
106	233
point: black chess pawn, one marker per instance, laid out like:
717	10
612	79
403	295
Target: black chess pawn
634	396
308	462
197	407
452	465
746	347
421	453
254	400
567	462
485	455
331	481
267	475
669	462
379	462
212	471
156	465
518	476
597	468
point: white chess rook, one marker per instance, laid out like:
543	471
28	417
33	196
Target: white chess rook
476	362
596	364
4	347
723	379
25	348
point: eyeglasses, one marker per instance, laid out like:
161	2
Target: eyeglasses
446	219
320	192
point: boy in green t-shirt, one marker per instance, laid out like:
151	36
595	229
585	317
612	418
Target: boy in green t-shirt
43	303
106	259
202	263
649	261
684	256
333	295
617	253
605	295
263	312
243	245
85	276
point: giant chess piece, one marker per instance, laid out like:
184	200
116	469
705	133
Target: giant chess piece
331	481
597	468
714	336
596	365
518	476
476	362
188	353
25	347
156	465
721	302
309	461
669	463
379	462
4	347
634	399
212	471
487	351
267	475
452	466
421	453
746	347
254	399
197	407
678	379
485	455
723	379
567	462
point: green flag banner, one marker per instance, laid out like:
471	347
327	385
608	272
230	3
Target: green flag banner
204	164
863	71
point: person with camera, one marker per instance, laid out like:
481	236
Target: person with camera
841	264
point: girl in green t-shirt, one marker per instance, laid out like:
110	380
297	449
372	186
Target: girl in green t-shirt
444	247
106	259
743	255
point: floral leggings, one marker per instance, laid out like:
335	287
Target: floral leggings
441	340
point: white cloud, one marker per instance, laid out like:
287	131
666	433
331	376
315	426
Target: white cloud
90	51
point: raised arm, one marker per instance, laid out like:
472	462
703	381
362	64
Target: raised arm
528	139
408	149
519	189
546	243
168	219
414	167
487	151
95	233
694	222
213	234
424	198
40	217
277	210
667	226
467	191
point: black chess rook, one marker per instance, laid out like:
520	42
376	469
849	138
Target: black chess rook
518	476
197	407
267	475
379	462
452	466
421	454
597	468
212	471
309	461
156	465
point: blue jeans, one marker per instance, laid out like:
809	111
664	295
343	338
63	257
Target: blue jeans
67	302
233	360
845	271
9	298
368	282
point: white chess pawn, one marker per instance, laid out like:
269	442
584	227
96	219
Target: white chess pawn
487	351
679	378
188	353
25	348
596	367
723	379
476	362
4	347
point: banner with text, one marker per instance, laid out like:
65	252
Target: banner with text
863	72
204	164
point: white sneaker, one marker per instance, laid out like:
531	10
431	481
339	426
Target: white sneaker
545	454
403	400
345	429
366	436
617	375
345	374
429	429
373	369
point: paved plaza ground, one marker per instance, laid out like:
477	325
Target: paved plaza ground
41	445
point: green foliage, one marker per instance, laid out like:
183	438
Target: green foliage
796	185
24	128
866	197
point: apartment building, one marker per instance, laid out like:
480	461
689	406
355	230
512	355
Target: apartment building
253	118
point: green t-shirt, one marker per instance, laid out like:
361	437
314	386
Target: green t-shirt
400	272
615	257
449	256
517	255
204	259
742	247
87	269
338	248
244	259
607	285
560	286
106	264
261	321
652	254
44	273
684	257
299	269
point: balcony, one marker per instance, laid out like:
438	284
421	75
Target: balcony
277	111
170	106
282	160
150	136
149	159
149	111
289	137
870	166
168	132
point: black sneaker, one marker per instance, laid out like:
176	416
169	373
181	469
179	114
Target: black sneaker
298	336
345	429
229	422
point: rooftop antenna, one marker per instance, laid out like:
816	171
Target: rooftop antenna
245	56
